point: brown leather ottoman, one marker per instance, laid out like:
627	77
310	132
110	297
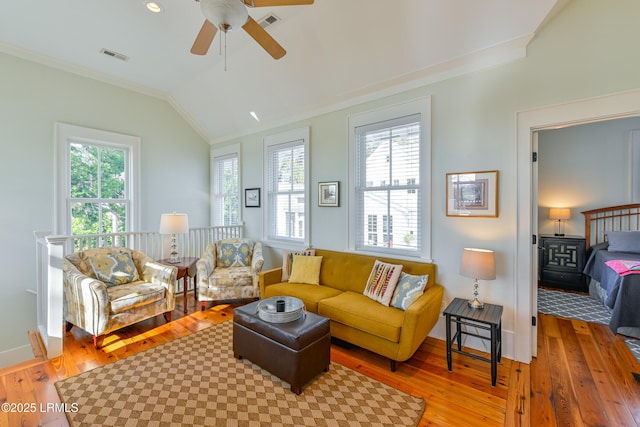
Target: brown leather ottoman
296	352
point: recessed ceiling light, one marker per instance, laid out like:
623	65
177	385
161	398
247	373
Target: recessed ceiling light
153	6
254	115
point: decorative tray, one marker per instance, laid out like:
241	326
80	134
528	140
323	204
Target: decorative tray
280	309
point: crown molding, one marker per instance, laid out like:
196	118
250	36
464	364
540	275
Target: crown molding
476	61
79	70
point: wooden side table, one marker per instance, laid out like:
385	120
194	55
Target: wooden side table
488	318
186	269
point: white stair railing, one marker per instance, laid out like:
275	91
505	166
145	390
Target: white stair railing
50	251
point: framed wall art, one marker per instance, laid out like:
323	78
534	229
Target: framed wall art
472	194
252	198
329	193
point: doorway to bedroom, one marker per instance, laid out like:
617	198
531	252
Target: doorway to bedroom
530	124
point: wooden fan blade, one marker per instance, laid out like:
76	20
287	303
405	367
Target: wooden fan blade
263	38
204	38
263	3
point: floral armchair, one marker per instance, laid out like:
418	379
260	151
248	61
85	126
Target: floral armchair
106	289
228	270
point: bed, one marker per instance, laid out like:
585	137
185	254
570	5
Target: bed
613	263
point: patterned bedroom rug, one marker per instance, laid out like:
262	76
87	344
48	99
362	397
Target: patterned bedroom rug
580	307
196	381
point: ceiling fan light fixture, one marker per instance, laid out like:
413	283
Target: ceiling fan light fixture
225	14
153	6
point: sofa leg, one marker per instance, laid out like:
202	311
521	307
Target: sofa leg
167	316
95	342
203	305
393	365
68	326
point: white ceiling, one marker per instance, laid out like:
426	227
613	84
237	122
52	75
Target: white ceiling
337	50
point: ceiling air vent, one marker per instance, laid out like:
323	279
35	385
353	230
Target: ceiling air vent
113	54
268	20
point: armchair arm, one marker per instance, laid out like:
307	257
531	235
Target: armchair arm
206	263
161	274
154	272
86	302
269	277
257	260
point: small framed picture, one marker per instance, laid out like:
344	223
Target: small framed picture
252	197
328	193
472	194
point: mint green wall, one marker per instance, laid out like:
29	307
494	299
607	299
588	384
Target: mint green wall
174	169
588	50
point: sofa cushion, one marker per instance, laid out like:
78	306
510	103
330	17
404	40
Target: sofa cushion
234	253
362	313
114	268
287	261
309	294
408	290
236	276
382	281
306	269
135	294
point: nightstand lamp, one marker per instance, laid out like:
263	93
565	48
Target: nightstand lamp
559	214
174	223
478	264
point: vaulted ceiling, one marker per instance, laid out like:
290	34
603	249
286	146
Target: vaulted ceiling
338	51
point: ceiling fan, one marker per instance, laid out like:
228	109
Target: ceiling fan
228	15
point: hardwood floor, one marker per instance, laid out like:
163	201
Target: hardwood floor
582	375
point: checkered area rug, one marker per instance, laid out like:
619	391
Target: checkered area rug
196	381
572	306
581	307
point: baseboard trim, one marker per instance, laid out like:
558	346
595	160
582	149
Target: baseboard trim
16	356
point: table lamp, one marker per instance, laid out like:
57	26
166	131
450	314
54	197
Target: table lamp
478	264
174	223
559	214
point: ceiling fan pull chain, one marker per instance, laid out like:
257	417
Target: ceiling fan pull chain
225	51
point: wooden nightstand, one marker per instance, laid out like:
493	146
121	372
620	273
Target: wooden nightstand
562	260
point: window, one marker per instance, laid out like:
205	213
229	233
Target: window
98	189
225	185
372	230
389	158
287	186
95	186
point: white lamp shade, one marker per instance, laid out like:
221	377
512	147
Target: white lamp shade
559	213
478	264
174	223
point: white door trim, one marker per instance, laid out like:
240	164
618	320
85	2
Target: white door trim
608	107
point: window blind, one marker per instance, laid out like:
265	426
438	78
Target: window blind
226	190
388	188
286	190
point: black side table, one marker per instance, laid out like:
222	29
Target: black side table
488	318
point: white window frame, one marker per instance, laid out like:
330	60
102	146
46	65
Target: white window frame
66	134
216	154
420	106
301	134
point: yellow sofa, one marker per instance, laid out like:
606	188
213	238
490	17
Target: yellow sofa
354	317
